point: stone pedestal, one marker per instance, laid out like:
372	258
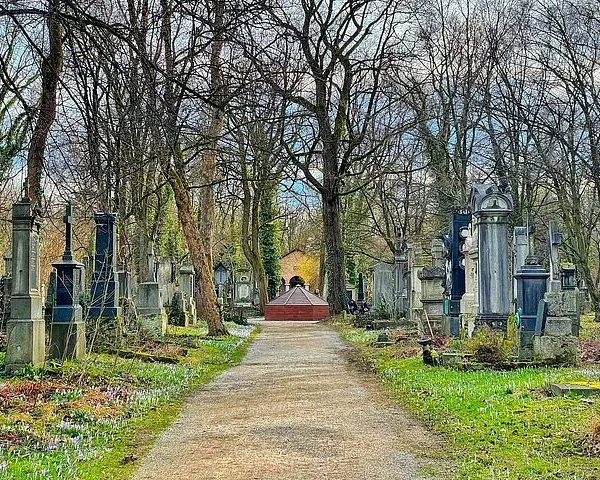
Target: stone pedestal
383	287
492	207
153	317
104	294
26	327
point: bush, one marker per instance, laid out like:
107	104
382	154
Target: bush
488	346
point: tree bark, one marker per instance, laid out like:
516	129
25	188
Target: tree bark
51	68
336	273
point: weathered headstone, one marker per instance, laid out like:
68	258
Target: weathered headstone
186	286
520	249
360	288
243	292
531	287
104	288
221	275
26	327
383	287
492	206
148	302
468	311
431	286
67	337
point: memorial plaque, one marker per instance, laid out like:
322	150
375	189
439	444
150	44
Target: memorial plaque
34	263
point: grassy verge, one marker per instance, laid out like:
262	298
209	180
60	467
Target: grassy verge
95	419
499	425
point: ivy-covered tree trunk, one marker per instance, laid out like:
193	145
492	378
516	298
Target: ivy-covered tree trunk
269	242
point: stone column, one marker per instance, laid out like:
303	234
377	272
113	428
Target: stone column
104	290
67	338
400	267
491	207
554	242
415	265
26	327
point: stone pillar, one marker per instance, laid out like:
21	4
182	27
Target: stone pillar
104	289
148	302
400	267
5	291
467	316
554	242
491	207
26	327
67	338
520	250
361	288
531	287
415	265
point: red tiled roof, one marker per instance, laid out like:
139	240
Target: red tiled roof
298	296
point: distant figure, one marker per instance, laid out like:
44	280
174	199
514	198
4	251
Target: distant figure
352	307
364	308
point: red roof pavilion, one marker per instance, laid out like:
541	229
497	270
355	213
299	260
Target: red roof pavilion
297	304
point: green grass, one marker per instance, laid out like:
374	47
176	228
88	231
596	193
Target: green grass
498	425
107	412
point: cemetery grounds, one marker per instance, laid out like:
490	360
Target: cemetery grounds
499	424
93	419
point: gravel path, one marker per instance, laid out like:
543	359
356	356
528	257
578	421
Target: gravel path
294	409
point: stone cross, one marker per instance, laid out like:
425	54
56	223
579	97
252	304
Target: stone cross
68	220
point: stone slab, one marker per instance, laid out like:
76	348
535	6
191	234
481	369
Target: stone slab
562	389
560	350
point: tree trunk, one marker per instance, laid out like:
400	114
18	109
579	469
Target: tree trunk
336	273
205	295
51	68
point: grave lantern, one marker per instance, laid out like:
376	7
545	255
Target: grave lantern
221	274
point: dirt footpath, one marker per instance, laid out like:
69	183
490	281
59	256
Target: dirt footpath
294	409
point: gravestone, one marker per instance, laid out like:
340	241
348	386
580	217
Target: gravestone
531	286
520	249
468	310
400	273
455	271
125	280
383	287
492	206
221	275
415	264
554	341
67	337
360	288
243	292
431	286
26	327
104	287
148	302
554	242
187	277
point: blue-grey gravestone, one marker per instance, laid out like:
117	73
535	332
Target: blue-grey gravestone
492	206
67	339
26	327
104	290
531	287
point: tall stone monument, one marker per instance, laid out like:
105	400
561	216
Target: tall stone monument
104	290
400	272
26	327
383	287
148	302
67	338
415	265
492	206
187	279
520	250
431	285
